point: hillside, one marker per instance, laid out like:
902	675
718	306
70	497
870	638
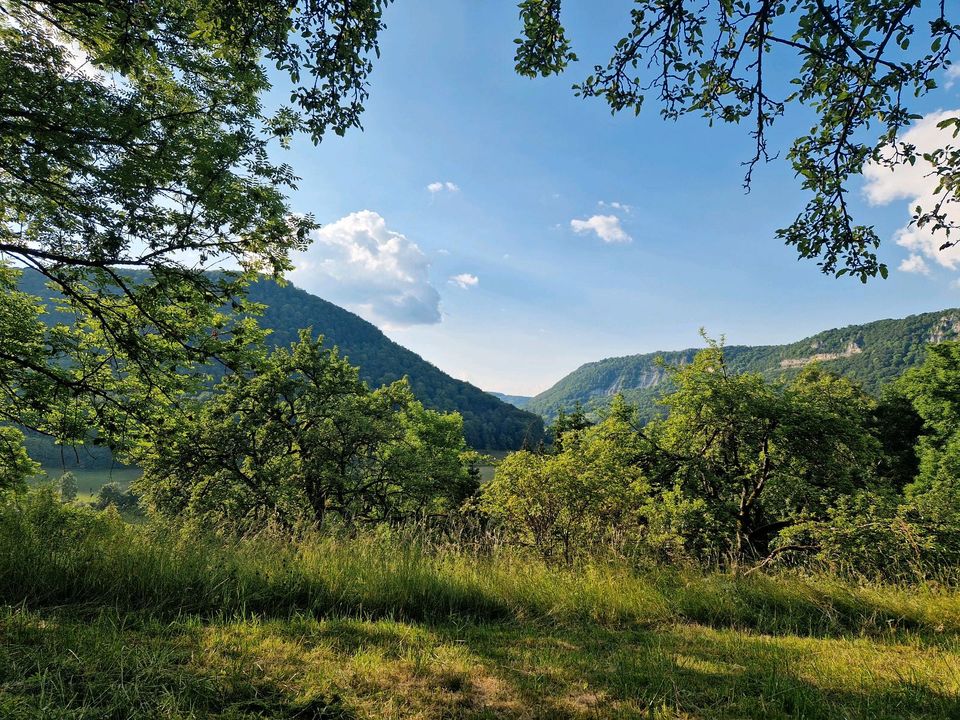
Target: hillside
519	401
489	423
872	354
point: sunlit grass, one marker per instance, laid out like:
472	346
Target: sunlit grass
103	619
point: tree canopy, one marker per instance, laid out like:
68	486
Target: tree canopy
857	67
298	438
736	461
135	136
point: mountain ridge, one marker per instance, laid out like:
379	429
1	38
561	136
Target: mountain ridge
519	401
872	353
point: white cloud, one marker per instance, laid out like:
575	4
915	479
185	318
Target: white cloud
606	227
436	187
953	74
464	280
623	207
360	263
914	264
916	184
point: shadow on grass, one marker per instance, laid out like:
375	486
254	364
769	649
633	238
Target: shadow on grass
698	672
128	666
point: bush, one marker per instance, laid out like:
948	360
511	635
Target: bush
568	503
881	537
112	494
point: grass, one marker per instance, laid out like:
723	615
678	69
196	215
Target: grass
101	619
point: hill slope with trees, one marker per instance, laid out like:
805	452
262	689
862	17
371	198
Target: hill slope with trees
489	423
872	354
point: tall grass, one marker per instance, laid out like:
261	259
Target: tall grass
53	555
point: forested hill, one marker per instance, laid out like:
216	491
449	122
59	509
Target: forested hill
873	354
489	424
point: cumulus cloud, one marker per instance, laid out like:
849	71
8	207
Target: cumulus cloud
605	227
464	280
914	264
436	187
378	273
917	185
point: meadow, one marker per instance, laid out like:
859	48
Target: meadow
105	619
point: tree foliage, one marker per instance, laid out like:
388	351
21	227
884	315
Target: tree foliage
488	423
933	388
758	453
736	461
134	136
113	495
909	524
858	66
67	486
15	464
301	438
582	495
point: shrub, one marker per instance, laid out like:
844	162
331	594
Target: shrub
566	503
880	536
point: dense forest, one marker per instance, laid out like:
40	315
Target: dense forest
873	354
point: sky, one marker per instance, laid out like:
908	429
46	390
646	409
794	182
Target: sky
509	232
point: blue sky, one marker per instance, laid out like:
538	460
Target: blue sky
497	273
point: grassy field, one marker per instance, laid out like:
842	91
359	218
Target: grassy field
101	619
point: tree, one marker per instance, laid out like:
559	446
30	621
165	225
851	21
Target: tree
133	137
112	495
590	490
300	438
758	455
909	525
564	423
856	64
67	483
934	390
898	426
15	465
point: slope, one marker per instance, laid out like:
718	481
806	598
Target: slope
489	423
873	354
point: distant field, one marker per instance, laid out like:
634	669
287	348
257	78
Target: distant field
89	482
